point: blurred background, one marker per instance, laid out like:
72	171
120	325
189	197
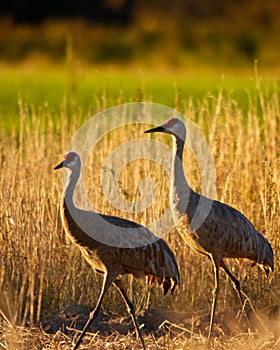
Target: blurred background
180	33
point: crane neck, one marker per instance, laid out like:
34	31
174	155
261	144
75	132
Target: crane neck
178	178
72	178
182	198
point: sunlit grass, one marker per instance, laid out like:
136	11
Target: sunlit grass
42	271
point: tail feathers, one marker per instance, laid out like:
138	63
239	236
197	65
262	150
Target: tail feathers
163	266
265	256
267	265
267	269
169	284
166	283
268	262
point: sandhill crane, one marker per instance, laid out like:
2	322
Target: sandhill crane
155	260
225	232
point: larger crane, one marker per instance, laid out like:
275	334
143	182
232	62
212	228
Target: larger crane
154	259
225	232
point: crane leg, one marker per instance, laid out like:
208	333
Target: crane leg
237	287
215	294
130	309
107	281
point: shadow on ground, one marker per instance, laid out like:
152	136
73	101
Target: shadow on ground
159	323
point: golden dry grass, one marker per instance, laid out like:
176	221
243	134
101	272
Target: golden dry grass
42	272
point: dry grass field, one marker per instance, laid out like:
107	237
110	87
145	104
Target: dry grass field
42	273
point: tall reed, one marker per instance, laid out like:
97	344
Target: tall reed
42	272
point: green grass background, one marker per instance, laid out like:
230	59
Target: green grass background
85	90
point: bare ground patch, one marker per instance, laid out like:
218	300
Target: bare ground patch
161	329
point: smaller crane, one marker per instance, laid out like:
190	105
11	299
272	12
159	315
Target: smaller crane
153	260
225	232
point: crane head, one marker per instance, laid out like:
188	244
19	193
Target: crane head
172	126
71	161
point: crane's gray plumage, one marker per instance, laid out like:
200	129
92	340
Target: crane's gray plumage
225	232
155	260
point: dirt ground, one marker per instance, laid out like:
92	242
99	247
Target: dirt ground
159	324
161	330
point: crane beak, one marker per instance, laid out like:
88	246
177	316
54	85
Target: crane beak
156	129
59	166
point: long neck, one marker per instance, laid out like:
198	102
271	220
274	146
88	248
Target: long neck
178	179
76	222
182	196
71	182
